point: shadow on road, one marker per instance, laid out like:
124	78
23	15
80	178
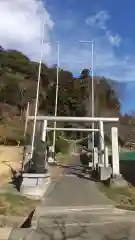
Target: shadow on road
73	167
80	171
85	176
28	221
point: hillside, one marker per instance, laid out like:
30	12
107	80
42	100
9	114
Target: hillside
18	81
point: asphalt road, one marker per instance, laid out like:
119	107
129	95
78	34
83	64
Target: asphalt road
75	190
75	209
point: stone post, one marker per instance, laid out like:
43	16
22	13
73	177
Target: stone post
101	143
106	157
115	152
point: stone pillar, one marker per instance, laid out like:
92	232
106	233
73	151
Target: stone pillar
115	152
101	143
51	155
106	158
89	142
35	183
43	138
95	157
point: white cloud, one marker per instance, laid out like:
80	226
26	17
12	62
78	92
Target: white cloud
21	26
113	39
99	20
107	62
20	29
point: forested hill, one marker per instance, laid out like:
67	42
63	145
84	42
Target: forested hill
18	81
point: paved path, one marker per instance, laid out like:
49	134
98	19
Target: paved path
72	190
75	209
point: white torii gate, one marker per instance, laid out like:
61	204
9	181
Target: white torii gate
35	184
101	121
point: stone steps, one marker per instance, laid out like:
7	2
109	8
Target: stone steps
81	215
75	224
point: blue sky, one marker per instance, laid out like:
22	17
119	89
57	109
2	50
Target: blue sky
104	21
109	23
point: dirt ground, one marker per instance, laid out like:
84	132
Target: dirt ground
10	157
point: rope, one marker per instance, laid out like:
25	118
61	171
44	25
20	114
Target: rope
73	141
78	140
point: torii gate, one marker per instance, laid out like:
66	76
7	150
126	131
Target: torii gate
103	163
100	120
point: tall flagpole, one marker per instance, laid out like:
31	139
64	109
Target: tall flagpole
38	88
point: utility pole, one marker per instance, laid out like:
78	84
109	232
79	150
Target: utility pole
92	89
56	97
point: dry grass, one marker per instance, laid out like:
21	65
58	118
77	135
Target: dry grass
10	157
11	204
124	197
64	158
12	129
15	205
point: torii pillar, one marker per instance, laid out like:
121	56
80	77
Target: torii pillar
115	152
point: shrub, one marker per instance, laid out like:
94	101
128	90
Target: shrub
62	146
